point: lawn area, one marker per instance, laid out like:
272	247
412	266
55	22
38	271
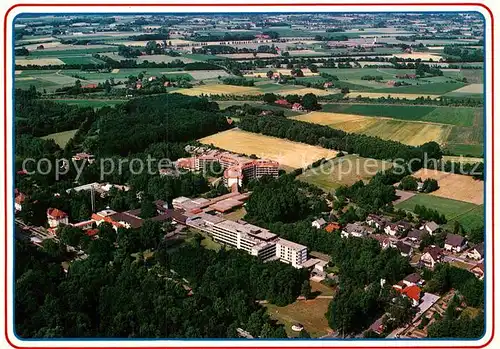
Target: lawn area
95	103
309	313
321	289
466	213
61	138
345	170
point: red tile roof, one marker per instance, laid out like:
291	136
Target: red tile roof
56	213
412	292
332	226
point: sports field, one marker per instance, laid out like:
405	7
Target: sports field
345	170
467	214
455	186
61	138
412	133
289	154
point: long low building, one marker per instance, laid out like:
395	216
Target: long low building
236	167
255	240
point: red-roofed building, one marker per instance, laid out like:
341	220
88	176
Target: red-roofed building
56	217
413	292
92	233
90	86
328	84
282	102
138	86
262	36
22	172
478	271
332	226
297	106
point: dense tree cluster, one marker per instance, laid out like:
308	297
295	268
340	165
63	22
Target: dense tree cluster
283	200
458	54
429	214
238	82
132	127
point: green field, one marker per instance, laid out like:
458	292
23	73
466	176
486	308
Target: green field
80	60
474	150
95	103
402	112
467	214
71	52
345	170
61	138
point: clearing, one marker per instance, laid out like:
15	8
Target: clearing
345	170
455	186
61	138
289	154
310	313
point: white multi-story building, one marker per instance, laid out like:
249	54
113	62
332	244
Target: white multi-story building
255	240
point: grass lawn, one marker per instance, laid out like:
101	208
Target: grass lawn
95	103
321	289
61	138
309	313
466	213
345	170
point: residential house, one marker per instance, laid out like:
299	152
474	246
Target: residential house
405	249
478	270
83	156
318	223
391	229
378	326
415	236
455	243
413	292
431	256
430	227
297	107
332	226
376	221
413	279
354	230
328	84
477	252
56	217
404	226
19	200
282	102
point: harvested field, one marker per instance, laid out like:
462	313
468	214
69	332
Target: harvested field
287	153
39	61
115	71
303	91
247	55
206	74
219	89
408	132
306	72
462	159
345	170
403	196
469	89
355	94
418	55
455	186
18	72
309	313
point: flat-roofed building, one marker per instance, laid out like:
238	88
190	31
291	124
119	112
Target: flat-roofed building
291	252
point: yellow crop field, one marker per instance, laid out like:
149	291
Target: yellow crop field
418	55
472	88
455	186
289	154
39	61
219	89
462	159
355	94
408	132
